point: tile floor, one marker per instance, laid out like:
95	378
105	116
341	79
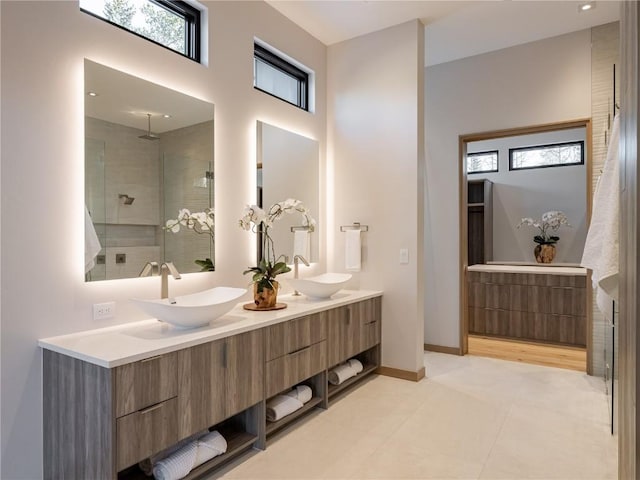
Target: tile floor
471	418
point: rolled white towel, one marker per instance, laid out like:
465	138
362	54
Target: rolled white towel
341	373
147	464
356	365
301	392
281	406
178	464
209	446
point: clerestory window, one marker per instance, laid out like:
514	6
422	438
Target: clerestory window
172	24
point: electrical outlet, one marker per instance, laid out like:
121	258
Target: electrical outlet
102	311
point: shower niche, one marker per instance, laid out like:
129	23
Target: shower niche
148	156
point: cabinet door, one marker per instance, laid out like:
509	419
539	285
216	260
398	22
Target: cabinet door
344	335
244	370
201	377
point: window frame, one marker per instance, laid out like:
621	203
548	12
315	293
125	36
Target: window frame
193	26
277	62
538	147
497	169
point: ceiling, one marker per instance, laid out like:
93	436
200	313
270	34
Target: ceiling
454	28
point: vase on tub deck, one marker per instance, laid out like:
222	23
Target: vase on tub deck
265	297
545	252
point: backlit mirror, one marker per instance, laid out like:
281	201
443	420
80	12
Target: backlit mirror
287	167
148	156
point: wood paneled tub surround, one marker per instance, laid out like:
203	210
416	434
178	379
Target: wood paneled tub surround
118	395
546	304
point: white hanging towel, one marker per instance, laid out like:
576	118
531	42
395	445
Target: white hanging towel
602	246
91	242
301	244
353	251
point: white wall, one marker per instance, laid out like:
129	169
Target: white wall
530	193
540	82
43	291
375	159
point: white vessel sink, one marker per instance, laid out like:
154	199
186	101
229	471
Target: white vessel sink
321	286
195	310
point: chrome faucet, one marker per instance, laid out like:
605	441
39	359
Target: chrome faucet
297	258
153	269
166	269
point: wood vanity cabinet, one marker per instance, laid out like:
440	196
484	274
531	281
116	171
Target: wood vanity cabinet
353	329
542	307
99	421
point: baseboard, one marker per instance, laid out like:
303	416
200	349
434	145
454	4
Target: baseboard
440	349
403	374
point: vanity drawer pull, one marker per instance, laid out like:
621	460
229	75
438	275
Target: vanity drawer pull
151	359
371	322
151	408
300	350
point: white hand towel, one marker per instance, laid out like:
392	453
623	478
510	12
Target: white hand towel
301	243
177	465
301	392
280	406
353	251
602	244
147	464
209	446
341	373
91	242
356	365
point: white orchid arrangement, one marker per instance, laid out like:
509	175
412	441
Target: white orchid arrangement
550	222
199	222
258	220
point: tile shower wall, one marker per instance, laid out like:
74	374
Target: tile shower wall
187	183
131	168
127	165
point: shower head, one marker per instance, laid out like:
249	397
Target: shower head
149	135
127	199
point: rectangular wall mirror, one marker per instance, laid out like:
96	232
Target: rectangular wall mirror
148	156
288	167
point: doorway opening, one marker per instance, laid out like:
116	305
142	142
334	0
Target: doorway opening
507	176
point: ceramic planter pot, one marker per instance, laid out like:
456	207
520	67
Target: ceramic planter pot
545	253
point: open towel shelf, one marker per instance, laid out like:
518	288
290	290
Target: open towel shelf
237	439
273	427
335	389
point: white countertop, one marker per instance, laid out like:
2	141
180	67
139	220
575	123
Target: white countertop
113	346
538	268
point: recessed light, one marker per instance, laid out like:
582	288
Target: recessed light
92	94
166	115
583	7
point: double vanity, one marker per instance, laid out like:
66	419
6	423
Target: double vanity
118	395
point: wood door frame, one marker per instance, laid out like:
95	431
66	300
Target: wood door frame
463	140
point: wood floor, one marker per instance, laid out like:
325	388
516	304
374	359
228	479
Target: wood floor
572	358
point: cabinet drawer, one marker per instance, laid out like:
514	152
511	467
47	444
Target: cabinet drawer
294	367
145	432
144	383
294	335
369	334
